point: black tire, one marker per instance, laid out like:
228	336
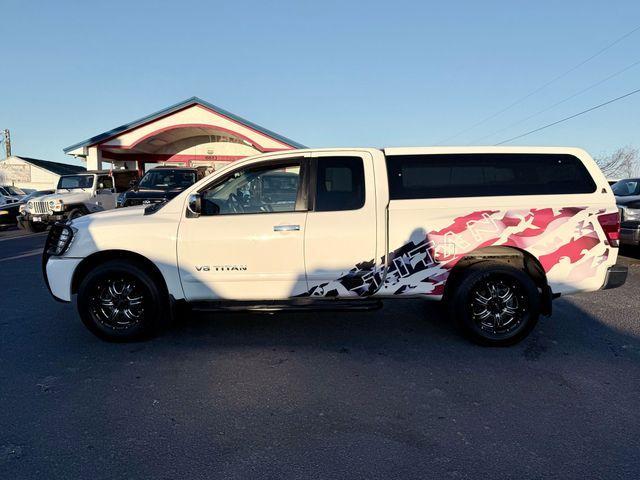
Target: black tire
494	304
126	286
33	227
75	213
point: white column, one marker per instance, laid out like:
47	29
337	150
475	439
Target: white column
94	159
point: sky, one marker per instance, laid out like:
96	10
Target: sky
324	73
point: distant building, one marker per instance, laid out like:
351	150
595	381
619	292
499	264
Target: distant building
189	133
25	172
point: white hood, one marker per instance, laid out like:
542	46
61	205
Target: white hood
121	229
70	197
124	215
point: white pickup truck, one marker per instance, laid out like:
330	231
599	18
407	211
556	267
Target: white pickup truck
495	232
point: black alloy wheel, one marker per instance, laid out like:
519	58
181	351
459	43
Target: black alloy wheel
498	304
121	301
118	302
495	304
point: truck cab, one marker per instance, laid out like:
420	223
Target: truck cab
76	195
494	232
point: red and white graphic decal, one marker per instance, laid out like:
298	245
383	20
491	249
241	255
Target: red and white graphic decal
568	243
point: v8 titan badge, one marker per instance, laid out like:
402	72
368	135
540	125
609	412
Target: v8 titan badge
221	268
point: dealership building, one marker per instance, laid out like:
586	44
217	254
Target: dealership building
190	133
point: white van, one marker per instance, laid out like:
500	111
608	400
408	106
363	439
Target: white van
497	232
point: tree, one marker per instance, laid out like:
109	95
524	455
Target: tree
624	162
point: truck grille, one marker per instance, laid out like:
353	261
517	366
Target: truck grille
130	202
39	207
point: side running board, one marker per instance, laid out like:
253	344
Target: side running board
286	306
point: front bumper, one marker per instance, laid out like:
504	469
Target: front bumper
630	233
58	274
58	271
46	218
616	277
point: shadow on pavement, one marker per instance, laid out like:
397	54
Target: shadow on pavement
630	251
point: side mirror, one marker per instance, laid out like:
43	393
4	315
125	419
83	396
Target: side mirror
133	184
194	205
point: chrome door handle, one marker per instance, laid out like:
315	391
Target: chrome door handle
286	228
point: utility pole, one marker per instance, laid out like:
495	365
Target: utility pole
7	142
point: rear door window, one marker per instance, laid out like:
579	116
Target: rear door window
339	184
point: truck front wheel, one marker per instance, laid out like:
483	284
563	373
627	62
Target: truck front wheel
120	301
495	304
75	213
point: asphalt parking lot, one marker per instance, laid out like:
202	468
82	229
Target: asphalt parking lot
393	393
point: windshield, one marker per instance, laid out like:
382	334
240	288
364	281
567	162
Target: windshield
167	179
13	190
626	188
75	181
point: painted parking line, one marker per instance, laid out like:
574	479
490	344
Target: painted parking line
18	237
30	253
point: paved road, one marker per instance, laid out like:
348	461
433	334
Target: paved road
388	394
15	245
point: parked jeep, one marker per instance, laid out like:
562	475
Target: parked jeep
76	195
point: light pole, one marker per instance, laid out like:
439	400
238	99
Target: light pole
7	142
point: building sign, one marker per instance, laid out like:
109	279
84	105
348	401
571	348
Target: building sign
13	173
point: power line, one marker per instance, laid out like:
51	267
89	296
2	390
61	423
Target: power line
570	117
566	99
542	87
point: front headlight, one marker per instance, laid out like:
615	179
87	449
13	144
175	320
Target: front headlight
630	211
22	208
60	238
56	206
632	214
4	212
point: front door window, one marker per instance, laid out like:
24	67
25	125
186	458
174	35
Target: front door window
255	190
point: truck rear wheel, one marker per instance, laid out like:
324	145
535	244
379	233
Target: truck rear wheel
120	301
494	304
